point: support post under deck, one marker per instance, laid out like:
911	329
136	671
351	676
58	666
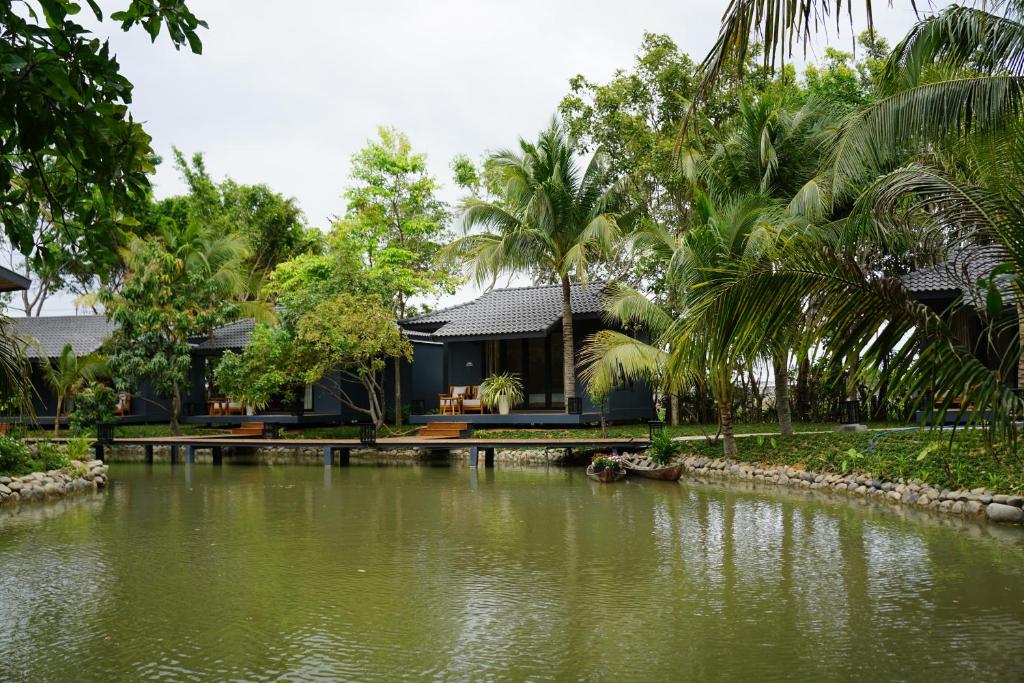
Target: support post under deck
344	456
174	454
190	453
474	456
217	454
148	449
488	457
328	455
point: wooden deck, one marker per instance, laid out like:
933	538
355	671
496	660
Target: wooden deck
344	447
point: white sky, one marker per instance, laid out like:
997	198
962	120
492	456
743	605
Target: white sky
284	93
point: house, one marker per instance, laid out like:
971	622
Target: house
519	330
951	289
419	381
45	339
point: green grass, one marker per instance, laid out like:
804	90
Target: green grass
641	430
963	460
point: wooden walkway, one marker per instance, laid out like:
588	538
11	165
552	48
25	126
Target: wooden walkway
344	447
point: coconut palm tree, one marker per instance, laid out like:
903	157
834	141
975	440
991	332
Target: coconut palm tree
934	165
551	217
67	373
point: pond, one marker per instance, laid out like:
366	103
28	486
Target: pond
388	573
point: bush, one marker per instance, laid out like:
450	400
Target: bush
93	404
50	456
663	448
78	448
15	456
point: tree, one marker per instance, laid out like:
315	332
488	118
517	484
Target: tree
179	284
399	225
68	373
348	339
64	122
550	218
268	367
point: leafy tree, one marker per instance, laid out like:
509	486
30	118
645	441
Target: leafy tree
396	221
68	373
550	218
179	285
268	367
94	404
350	339
65	131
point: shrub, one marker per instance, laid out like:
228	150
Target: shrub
663	448
15	456
78	448
607	462
50	456
93	404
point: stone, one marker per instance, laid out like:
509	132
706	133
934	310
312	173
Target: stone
985	499
4	490
1015	501
1000	498
5	480
16	485
974	507
893	496
997	512
52	489
958	508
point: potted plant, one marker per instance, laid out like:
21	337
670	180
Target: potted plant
607	468
502	391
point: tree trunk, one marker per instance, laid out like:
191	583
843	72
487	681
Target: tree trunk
803	389
781	369
725	420
398	391
1020	344
568	344
673	410
176	410
56	420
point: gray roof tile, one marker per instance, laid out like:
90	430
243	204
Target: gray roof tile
960	274
46	336
232	336
513	311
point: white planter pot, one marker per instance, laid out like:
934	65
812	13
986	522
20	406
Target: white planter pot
249	410
503	407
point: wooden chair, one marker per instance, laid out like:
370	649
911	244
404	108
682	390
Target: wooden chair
215	406
471	402
233	408
451	403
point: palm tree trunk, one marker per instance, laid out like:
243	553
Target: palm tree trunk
56	420
673	410
725	418
1020	343
568	344
781	369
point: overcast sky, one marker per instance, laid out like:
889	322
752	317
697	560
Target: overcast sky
284	93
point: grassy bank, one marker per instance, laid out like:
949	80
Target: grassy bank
962	459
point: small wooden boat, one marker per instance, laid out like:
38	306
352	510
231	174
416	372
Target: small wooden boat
607	475
649	470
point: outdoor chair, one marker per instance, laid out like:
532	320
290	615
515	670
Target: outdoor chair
471	402
124	404
451	403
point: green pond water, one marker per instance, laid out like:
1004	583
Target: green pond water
438	573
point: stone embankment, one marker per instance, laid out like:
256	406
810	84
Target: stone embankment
78	477
977	503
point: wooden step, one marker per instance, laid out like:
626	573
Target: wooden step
438	434
445	426
444	430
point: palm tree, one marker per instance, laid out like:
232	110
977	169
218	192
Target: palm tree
934	165
67	373
691	346
550	217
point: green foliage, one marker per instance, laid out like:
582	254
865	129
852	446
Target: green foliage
72	154
607	462
396	223
94	404
502	385
77	448
68	373
15	456
49	456
663	448
269	367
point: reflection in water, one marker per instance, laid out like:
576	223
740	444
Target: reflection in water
448	573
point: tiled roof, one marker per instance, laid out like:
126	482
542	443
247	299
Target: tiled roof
514	311
232	336
46	336
959	274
